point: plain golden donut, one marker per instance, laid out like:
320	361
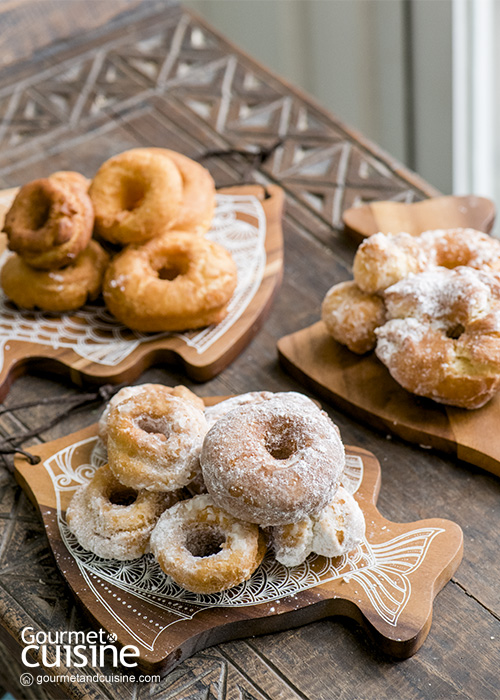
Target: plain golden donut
273	462
127	391
136	195
66	289
335	531
351	316
204	549
154	440
442	337
175	282
50	221
112	520
384	259
198	193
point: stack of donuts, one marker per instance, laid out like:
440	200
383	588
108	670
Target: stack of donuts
208	490
429	305
149	208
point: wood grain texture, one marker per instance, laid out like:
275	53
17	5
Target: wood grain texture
169	80
387	584
429	214
362	385
61	354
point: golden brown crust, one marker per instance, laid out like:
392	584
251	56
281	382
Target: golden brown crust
198	193
351	316
442	339
66	289
154	440
138	291
50	221
185	536
136	195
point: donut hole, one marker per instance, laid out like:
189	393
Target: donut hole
122	496
132	193
204	541
281	440
154	426
455	331
173	268
38	213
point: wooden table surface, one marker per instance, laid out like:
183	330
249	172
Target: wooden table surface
147	73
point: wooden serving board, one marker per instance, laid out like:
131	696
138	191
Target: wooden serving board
388	583
362	385
417	217
90	346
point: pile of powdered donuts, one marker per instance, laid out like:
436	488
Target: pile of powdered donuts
209	490
134	232
429	305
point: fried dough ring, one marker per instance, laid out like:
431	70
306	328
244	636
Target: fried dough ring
198	193
335	531
66	289
112	520
384	259
181	391
204	549
273	462
50	221
154	440
351	316
442	339
175	282
136	195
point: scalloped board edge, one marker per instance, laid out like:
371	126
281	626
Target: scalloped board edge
360	591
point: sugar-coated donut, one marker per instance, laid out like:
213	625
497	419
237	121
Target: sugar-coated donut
50	221
154	440
66	289
136	195
384	259
198	193
218	410
127	391
442	339
112	520
175	282
273	462
351	316
335	531
204	549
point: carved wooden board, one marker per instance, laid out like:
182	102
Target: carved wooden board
417	217
90	345
388	583
363	386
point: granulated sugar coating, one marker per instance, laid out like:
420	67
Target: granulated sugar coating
205	549
112	520
273	462
154	440
442	339
336	530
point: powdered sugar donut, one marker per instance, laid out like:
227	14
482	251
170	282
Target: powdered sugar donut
351	316
336	530
154	440
181	391
442	339
273	462
205	549
214	413
112	520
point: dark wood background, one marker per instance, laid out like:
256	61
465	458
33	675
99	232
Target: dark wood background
82	81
